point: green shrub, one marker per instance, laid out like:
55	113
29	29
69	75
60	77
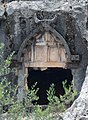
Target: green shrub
16	110
64	101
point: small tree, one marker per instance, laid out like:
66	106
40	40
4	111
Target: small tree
6	100
64	101
16	110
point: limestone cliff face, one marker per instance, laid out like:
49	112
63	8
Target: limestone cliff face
20	21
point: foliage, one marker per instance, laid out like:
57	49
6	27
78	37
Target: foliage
69	95
31	95
61	103
5	63
41	114
16	110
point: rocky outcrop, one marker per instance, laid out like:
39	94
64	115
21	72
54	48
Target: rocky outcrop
77	8
23	11
79	109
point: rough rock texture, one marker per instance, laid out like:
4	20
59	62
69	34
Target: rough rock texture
79	109
76	7
70	23
21	15
18	25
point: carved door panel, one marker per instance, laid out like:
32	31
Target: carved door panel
53	54
62	54
41	53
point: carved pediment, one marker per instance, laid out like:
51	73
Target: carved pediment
46	51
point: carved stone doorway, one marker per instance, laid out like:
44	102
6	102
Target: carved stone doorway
44	51
47	77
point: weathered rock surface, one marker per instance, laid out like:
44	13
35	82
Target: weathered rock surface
76	8
79	109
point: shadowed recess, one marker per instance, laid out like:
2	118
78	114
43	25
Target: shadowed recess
45	78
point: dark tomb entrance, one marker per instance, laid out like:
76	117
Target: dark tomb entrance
45	78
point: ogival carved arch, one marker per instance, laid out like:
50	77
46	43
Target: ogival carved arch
40	29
